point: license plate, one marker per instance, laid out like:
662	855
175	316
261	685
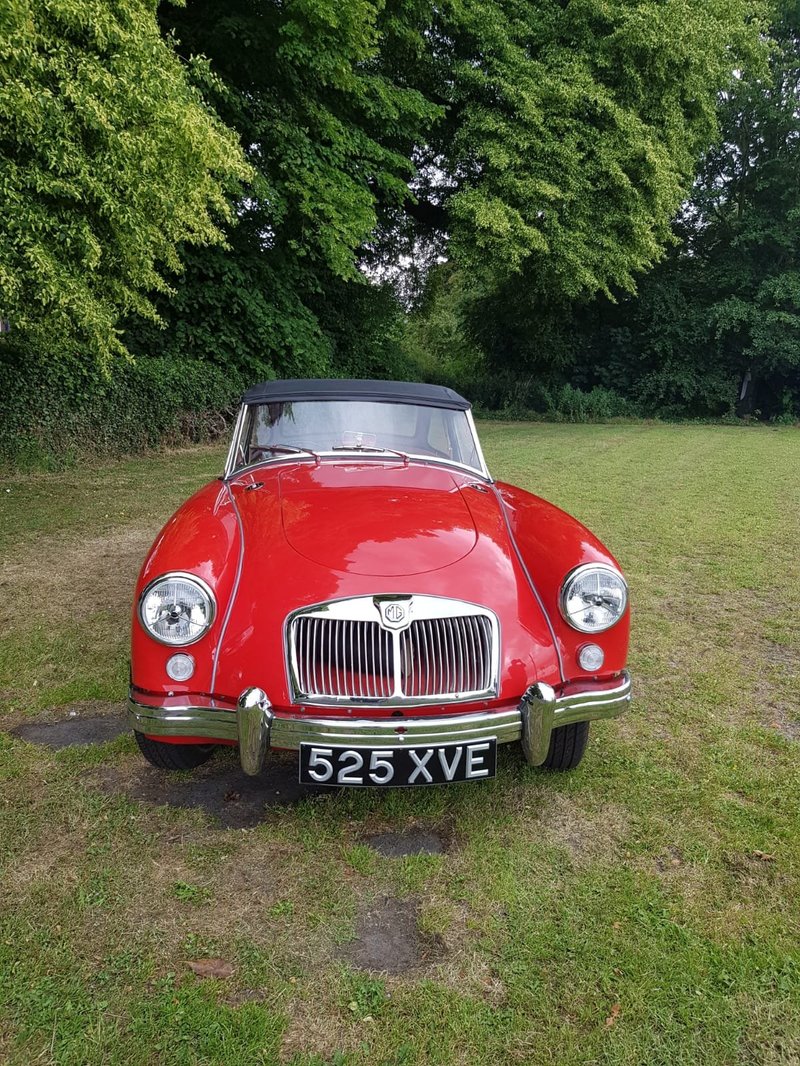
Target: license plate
440	764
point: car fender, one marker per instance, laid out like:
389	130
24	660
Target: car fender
202	538
551	543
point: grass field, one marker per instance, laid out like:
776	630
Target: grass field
644	909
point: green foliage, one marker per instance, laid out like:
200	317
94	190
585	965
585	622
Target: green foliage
573	131
56	412
238	308
438	345
540	145
328	127
722	315
747	231
718	316
108	159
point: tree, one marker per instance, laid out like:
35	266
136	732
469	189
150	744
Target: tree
716	326
745	227
571	132
329	133
108	160
541	145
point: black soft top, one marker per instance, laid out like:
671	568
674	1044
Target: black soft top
355	389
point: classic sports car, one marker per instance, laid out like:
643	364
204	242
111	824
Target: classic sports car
357	587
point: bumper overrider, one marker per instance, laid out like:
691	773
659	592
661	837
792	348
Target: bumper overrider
256	727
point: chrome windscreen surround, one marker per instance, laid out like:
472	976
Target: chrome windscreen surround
391	650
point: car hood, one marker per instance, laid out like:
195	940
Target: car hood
376	520
311	534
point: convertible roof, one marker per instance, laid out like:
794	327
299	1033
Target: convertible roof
354	389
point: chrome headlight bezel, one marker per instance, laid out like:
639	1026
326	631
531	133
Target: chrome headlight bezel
576	574
202	587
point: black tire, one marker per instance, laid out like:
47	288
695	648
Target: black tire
173	756
567	745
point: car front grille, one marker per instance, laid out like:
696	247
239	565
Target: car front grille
443	656
342	657
341	653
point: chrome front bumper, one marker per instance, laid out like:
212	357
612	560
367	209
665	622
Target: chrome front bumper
255	726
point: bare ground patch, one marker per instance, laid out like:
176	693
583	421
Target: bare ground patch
388	939
86	722
587	836
220	788
778	712
416	840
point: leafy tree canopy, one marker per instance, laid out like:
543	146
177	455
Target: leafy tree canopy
572	130
745	226
108	159
715	327
329	128
537	143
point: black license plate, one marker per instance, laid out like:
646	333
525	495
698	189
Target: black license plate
337	764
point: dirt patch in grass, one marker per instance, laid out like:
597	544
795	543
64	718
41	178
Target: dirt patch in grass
89	722
246	995
670	861
388	939
587	836
778	711
220	788
788	728
753	870
316	1031
416	840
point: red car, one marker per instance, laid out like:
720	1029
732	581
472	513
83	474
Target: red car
356	587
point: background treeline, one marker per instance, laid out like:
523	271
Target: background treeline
578	210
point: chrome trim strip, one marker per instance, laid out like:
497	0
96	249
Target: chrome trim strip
532	721
363	609
533	588
234	589
478	447
383	732
348	457
234	445
184	722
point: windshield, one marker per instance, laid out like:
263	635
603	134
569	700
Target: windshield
359	426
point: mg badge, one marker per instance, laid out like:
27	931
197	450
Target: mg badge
395	614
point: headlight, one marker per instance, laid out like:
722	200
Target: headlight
177	608
593	597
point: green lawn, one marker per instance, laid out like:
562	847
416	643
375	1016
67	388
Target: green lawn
644	909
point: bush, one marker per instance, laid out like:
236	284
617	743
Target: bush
54	413
512	396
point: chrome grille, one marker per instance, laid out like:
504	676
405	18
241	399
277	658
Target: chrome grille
443	650
444	656
343	657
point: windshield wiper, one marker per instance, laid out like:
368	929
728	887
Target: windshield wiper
367	448
288	449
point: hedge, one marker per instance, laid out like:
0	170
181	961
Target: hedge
53	414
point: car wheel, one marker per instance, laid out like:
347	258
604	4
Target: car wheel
567	745
173	756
